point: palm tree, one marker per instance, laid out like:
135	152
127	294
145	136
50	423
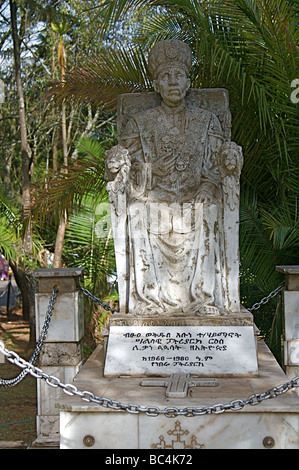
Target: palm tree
61	29
88	236
82	191
250	48
89	240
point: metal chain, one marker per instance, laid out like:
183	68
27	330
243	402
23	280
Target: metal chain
255	306
266	299
39	344
98	301
170	411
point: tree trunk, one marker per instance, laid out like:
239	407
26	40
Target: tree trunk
27	293
54	151
26	198
57	262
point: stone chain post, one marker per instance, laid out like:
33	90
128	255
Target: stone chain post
291	320
61	355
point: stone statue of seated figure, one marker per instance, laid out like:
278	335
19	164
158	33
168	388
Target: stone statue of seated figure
174	194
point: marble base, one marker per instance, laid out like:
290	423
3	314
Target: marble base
271	424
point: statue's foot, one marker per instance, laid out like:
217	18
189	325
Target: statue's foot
208	310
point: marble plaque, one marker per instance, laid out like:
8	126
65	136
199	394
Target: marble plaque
199	350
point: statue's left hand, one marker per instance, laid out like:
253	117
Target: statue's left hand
207	193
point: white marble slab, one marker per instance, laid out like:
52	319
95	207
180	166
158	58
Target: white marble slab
226	431
201	350
272	423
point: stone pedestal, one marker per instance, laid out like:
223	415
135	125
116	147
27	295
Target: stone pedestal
271	424
291	320
61	355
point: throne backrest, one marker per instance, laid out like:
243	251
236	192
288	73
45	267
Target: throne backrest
215	100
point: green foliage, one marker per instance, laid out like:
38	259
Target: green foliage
9	244
68	190
11	230
88	240
89	244
100	79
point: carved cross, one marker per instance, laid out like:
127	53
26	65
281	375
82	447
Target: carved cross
177	384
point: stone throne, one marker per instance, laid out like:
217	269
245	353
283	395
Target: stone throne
235	322
216	101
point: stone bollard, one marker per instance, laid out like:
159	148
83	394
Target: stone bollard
291	320
61	354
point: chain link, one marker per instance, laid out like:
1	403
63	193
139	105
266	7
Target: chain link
13	382
98	301
266	299
170	411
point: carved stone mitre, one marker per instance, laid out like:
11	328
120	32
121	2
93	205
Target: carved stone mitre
169	53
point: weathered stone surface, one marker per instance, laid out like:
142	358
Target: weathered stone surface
244	318
64	279
291	320
67	324
62	354
291	310
173	185
241	429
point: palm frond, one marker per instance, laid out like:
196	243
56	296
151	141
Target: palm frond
85	248
10	245
66	191
282	222
102	78
10	213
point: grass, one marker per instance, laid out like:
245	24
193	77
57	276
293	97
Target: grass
17	403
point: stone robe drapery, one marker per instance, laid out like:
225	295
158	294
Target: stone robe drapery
176	246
